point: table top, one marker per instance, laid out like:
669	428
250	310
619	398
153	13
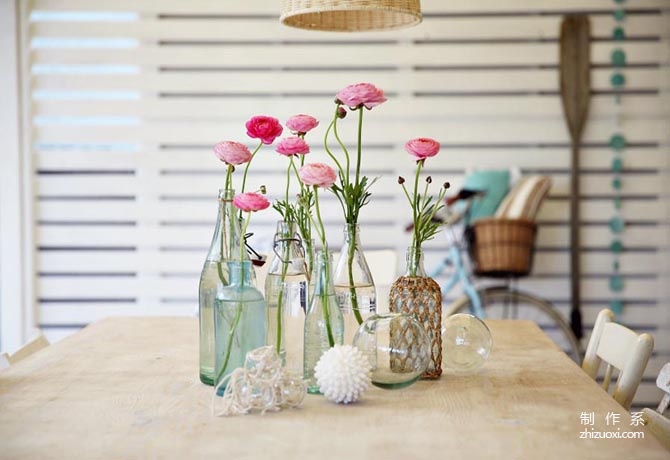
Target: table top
129	388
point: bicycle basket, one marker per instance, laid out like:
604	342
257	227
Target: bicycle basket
503	247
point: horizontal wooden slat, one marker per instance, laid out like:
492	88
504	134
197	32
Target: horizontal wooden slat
502	131
330	54
529	158
433	6
231	29
240	82
447	107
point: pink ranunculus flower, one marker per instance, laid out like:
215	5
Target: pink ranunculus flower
232	152
365	94
301	124
422	148
250	201
265	128
318	174
292	146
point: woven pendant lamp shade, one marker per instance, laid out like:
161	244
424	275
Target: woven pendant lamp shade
350	15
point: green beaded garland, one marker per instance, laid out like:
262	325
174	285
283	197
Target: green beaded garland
618	58
616	283
616	224
617	79
619	15
616	306
617	142
617	165
617	202
617	248
616	183
618	34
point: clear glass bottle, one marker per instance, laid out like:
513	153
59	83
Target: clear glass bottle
286	295
354	286
420	296
323	322
214	276
239	320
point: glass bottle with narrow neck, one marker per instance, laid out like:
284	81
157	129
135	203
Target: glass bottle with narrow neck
225	245
420	296
239	320
354	286
323	321
286	295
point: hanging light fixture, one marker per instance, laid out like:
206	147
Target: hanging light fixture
350	15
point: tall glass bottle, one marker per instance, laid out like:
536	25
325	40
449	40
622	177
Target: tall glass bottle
286	295
354	286
214	276
420	296
239	320
323	320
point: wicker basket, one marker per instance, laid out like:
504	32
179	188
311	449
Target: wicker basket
503	247
350	15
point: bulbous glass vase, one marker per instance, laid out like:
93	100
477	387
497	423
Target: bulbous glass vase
420	296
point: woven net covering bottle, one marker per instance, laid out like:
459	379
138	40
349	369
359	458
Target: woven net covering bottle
350	15
419	296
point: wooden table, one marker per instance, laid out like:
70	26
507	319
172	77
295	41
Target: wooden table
128	388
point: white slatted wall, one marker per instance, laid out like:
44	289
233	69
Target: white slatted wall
128	97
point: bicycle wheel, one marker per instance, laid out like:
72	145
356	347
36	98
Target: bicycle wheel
501	302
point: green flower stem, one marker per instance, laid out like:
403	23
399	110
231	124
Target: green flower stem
229	174
280	298
246	168
231	336
415	241
352	287
238	313
341	144
325	145
360	140
324	294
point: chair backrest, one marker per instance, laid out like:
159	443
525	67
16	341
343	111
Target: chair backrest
621	349
29	348
658	425
663	382
4	361
525	198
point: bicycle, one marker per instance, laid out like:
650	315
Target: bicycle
499	301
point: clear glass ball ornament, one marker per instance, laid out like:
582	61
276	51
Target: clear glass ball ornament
397	347
466	343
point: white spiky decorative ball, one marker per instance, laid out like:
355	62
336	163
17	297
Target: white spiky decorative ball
343	374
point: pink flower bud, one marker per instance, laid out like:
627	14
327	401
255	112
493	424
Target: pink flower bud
301	124
292	146
251	202
361	94
232	153
422	148
318	174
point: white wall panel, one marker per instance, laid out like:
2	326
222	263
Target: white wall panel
127	104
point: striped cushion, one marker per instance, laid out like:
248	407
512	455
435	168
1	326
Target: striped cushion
525	198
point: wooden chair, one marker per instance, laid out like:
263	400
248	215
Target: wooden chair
663	382
621	349
658	425
29	348
4	361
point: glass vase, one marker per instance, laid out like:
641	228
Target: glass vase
286	295
323	320
239	320
420	296
214	276
354	286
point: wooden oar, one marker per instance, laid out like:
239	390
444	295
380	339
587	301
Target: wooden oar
575	93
